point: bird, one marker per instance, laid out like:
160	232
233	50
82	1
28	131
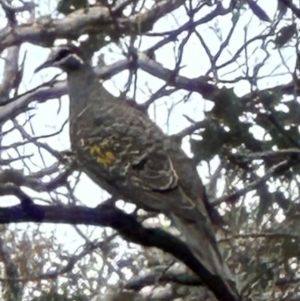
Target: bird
127	154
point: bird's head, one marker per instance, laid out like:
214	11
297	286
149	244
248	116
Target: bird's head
67	58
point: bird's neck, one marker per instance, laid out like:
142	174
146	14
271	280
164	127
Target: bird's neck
81	84
88	98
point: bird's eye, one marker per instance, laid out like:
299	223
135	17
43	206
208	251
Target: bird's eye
62	54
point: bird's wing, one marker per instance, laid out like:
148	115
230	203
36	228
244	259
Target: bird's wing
133	151
146	167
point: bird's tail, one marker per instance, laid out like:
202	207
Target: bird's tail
200	239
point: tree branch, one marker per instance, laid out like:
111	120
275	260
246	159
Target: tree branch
19	104
11	108
11	271
127	226
292	6
138	283
85	21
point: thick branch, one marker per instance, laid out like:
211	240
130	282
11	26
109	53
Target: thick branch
20	104
140	282
292	6
10	72
95	19
127	226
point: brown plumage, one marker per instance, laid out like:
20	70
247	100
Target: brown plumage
128	155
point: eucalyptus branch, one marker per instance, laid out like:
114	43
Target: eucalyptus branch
127	226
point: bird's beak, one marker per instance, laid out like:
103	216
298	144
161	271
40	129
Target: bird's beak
43	66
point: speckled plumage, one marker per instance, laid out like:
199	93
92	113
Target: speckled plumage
126	153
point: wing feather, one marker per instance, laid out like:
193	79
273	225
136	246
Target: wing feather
135	151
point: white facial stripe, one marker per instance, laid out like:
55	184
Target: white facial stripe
79	59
